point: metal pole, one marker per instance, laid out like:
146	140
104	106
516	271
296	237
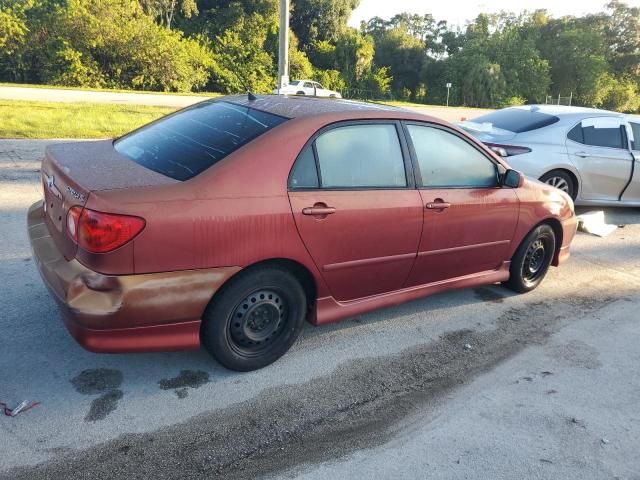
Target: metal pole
448	89
283	51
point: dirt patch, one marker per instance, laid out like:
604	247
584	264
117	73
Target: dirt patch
324	418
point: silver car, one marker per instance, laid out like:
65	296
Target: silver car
590	154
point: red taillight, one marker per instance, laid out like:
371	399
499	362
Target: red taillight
99	232
507	150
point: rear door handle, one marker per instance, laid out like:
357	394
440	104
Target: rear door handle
583	154
320	211
438	205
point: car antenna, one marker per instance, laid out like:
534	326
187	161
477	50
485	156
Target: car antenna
250	96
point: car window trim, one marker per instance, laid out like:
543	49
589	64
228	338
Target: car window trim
406	156
416	165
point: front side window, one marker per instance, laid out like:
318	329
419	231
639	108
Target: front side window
186	143
447	161
361	156
598	133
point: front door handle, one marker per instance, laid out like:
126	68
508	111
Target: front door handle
319	210
438	205
583	154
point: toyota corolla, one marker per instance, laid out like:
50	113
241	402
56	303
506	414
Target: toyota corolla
230	223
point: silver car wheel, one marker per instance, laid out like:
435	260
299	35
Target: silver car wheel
559	183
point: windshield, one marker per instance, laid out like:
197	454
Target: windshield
188	142
517	120
294	83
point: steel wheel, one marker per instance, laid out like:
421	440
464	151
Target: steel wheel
257	321
254	318
532	259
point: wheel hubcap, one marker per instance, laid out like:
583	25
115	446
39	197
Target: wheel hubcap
559	183
258	319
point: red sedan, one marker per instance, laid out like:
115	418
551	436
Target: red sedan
229	223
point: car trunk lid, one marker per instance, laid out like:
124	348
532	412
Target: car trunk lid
72	171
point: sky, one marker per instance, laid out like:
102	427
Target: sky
458	12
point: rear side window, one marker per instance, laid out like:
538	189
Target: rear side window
611	137
635	128
447	161
186	143
361	156
518	120
304	173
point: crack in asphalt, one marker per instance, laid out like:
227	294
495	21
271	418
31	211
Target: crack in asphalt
353	408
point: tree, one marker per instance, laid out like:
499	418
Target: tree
316	20
164	11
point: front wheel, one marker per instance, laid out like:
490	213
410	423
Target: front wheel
255	319
532	259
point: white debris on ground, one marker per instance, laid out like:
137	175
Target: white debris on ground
595	224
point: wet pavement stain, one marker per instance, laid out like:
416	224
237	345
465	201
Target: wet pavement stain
98	380
102	406
487	294
187	379
103	381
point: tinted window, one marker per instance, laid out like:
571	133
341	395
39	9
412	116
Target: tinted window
445	160
518	120
182	145
304	173
576	134
635	127
598	137
361	156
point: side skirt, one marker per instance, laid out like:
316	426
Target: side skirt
329	310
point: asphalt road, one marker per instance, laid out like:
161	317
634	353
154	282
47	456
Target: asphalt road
451	114
548	389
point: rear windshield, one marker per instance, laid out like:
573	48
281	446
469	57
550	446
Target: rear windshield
188	142
518	120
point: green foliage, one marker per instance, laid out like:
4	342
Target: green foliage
229	46
317	20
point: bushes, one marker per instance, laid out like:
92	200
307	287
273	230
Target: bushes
102	43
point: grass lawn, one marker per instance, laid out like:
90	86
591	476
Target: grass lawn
113	90
21	119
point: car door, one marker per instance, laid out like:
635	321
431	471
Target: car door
599	150
308	88
356	207
632	192
469	220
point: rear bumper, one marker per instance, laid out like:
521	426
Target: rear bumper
125	313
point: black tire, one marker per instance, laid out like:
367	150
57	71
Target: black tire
300	93
561	180
532	259
254	319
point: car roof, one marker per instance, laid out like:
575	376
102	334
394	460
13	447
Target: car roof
293	106
567	111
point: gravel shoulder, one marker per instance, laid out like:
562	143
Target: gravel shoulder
392	393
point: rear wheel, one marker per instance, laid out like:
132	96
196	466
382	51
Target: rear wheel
255	319
532	259
562	181
300	93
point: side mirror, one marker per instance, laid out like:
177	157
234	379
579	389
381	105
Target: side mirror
512	179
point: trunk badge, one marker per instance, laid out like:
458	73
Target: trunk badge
76	195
